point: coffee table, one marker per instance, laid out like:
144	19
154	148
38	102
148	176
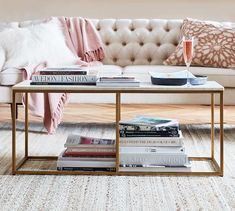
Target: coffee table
211	88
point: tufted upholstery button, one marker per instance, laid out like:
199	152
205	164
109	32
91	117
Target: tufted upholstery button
127	41
132	59
132	28
167	29
176	43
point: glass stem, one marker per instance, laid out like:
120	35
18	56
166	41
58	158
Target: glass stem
188	81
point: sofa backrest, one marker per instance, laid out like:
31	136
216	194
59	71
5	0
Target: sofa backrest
138	41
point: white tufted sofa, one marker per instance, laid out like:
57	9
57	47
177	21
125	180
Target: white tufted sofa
135	47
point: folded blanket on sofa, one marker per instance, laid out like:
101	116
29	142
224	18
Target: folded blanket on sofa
32	46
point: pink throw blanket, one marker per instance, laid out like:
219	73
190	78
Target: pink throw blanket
83	40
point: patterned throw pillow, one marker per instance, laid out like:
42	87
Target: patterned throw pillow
214	44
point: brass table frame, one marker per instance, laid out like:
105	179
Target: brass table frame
218	168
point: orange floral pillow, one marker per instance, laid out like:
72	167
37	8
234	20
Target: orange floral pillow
214	44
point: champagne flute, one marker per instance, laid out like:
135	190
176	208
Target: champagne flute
188	53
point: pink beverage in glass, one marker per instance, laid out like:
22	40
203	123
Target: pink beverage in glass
188	51
188	54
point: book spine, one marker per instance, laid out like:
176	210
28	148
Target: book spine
84	169
154	159
154	150
59	83
74	154
64	79
128	142
149	134
89	149
54	72
135	127
77	139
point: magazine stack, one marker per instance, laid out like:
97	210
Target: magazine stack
118	81
64	76
152	144
84	153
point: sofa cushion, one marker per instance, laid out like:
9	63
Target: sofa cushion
224	76
214	44
107	70
11	76
138	41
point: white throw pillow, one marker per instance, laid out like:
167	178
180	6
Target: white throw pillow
2	57
35	44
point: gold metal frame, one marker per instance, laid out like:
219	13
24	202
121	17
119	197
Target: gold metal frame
218	168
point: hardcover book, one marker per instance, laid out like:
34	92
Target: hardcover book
152	141
120	83
75	140
64	79
154	159
156	169
144	123
73	70
149	133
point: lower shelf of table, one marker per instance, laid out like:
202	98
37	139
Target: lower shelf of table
46	165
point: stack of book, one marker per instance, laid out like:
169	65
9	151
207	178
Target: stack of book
118	81
151	145
84	153
63	76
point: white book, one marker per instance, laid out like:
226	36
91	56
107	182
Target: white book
155	169
147	157
118	84
152	150
64	79
151	141
117	79
77	162
101	164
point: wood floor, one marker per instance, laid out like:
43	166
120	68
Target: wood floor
106	112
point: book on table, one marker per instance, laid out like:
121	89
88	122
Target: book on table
71	75
118	81
156	145
69	70
86	163
63	80
152	144
86	153
151	141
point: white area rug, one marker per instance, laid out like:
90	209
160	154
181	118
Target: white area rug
114	193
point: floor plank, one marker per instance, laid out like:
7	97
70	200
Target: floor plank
106	112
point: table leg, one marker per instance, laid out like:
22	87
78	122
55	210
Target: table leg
26	124
13	133
221	133
212	125
118	116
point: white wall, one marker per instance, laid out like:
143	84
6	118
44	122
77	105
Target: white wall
15	10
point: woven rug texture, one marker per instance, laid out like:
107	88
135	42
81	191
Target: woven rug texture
117	193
